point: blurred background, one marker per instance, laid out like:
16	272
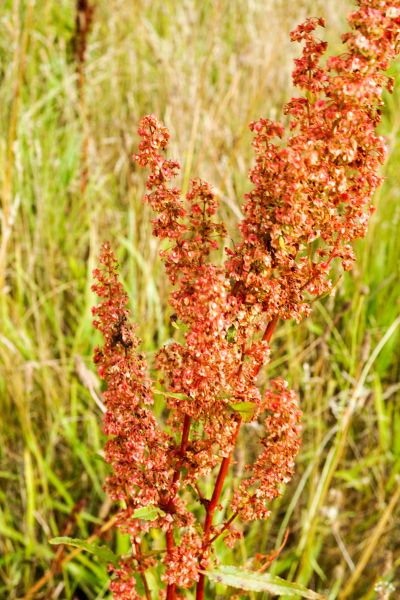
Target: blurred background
72	90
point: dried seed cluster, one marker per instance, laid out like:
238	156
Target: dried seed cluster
311	198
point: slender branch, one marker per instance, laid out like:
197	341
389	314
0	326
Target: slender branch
136	548
227	524
236	287
170	541
333	255
242	359
171	591
219	484
170	538
212	506
143	575
170	546
273	556
185	438
139	557
146	586
267	338
202	499
223	472
198	490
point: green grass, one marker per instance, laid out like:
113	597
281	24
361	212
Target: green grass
207	69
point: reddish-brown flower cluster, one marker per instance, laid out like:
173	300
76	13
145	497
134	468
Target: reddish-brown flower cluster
275	465
310	200
320	186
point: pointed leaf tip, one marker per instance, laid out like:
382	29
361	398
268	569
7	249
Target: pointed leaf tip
148	513
103	552
259	582
245	409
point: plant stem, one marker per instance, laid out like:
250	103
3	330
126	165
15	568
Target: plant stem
218	485
185	438
233	517
212	506
275	554
223	472
267	338
84	17
170	546
170	538
144	579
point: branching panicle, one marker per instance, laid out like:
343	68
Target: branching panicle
315	188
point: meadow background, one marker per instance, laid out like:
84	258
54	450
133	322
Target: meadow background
206	68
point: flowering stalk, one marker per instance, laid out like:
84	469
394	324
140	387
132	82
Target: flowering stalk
316	188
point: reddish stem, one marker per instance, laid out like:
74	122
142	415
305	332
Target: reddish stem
267	338
333	255
201	495
272	558
219	484
170	546
233	517
223	472
170	538
184	443
236	287
146	586
212	506
136	548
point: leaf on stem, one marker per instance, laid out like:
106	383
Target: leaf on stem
103	552
282	243
256	582
148	513
245	409
231	335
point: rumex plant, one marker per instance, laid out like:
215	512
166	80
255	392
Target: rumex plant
311	198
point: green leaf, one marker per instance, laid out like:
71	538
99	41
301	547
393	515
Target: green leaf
175	325
177	396
231	335
148	513
282	243
259	582
245	409
103	552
